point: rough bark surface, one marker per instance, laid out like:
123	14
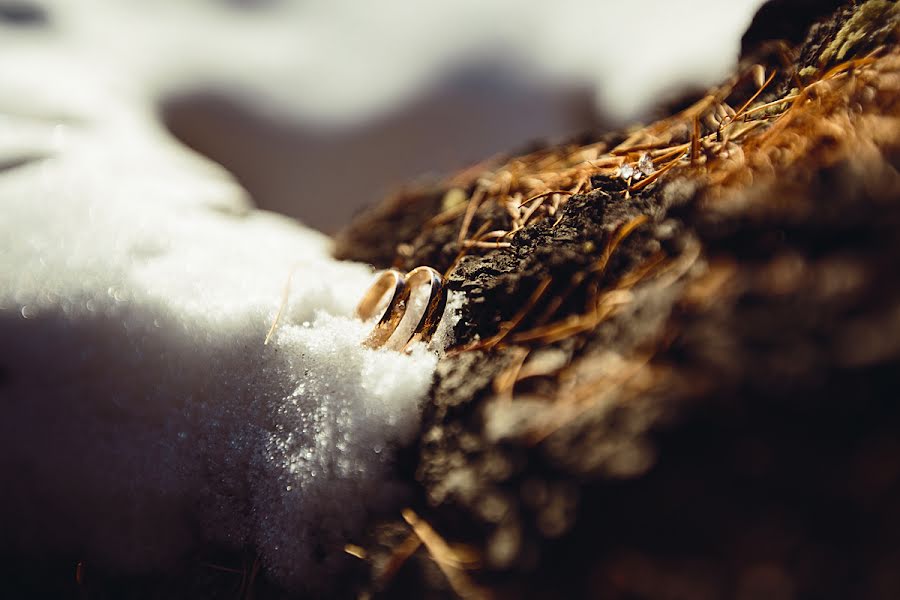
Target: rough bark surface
681	390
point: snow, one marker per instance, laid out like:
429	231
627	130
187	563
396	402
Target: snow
335	61
137	285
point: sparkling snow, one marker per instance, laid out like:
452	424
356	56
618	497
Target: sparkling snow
139	402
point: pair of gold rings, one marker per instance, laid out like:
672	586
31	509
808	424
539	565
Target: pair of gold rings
398	288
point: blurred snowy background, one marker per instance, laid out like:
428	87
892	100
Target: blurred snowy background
320	107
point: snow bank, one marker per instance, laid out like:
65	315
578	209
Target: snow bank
139	402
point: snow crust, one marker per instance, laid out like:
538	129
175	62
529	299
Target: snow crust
139	403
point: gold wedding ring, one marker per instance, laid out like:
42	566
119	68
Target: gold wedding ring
392	284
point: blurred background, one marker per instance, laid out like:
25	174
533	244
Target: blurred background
321	107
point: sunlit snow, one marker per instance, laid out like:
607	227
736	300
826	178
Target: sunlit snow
139	402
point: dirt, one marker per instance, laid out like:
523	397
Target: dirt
705	369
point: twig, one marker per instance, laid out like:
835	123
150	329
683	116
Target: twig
765	84
400	555
449	561
285	294
480	244
474	201
508	326
464	250
505	382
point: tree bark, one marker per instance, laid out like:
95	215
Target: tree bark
676	385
